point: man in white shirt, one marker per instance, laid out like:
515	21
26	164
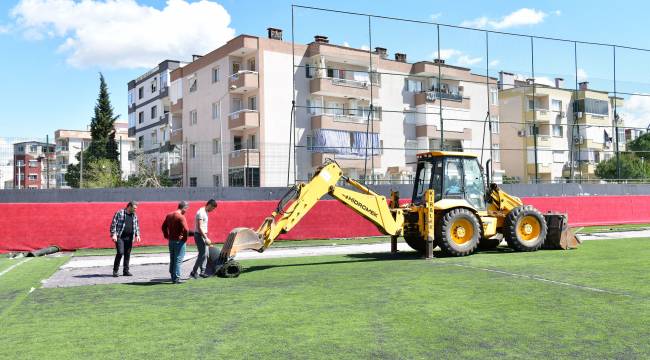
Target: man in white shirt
201	237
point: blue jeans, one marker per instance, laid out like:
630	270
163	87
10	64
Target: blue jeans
203	249
176	255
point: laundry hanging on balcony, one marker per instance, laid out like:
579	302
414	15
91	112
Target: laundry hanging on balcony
361	139
332	141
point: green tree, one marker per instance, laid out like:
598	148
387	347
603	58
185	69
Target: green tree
632	167
102	146
641	146
147	176
102	173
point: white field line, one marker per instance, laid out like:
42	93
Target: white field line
539	278
14	266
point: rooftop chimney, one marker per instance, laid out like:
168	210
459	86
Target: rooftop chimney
559	83
196	57
584	85
400	57
275	34
382	52
439	61
321	39
530	81
506	80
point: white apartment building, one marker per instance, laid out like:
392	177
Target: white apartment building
149	119
557	133
69	143
232	110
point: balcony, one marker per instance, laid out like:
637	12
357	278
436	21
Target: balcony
244	158
541	169
541	115
542	141
450	100
341	88
346	162
243	81
176	136
177	107
583	118
243	119
344	123
176	170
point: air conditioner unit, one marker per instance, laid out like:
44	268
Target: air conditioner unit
579	114
562	114
579	140
521	133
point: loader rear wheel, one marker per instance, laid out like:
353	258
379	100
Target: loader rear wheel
231	269
457	232
525	229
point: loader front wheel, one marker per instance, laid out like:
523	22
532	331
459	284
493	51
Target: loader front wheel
458	232
231	269
525	229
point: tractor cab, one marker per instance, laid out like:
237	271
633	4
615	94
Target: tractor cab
451	175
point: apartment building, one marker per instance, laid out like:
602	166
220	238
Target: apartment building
231	112
149	118
556	133
69	143
34	165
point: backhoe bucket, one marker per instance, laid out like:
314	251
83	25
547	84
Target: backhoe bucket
559	235
238	239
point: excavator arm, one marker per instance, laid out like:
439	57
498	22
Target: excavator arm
302	198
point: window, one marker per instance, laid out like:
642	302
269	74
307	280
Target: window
495	124
453	180
193	151
140	117
494	96
141	92
140	142
532	130
556	105
413	85
236	105
164	78
192	182
154	137
154	85
474	186
193	117
252	142
558	131
592	106
235	67
309	71
20	163
252	103
251	64
531	104
236	177
194	84
496	153
216	110
310	142
215	74
216	180
21	149
216	146
236	143
33	148
154	111
32	177
131	97
33	163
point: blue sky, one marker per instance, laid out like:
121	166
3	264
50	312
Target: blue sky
52	50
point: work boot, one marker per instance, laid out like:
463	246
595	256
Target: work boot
204	275
127	273
179	281
115	274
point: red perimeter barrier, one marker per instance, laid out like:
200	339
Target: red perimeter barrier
29	226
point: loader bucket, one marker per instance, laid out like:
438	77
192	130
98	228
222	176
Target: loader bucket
559	235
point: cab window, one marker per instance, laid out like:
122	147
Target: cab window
474	187
453	181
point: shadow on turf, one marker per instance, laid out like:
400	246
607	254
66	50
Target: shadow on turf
355	258
165	281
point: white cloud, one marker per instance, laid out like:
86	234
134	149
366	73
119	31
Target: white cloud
346	44
636	111
365	47
435	16
495	62
446	54
521	17
541	80
466	60
557	12
4	29
582	75
123	33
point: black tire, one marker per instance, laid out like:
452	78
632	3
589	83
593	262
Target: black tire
415	241
489	244
231	269
447	227
412	234
517	240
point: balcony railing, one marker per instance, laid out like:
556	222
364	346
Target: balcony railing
244	158
433	95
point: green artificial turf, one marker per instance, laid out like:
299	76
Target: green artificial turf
613	228
589	303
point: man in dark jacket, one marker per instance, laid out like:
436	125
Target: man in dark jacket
175	230
124	230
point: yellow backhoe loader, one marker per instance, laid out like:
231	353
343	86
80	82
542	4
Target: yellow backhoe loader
451	208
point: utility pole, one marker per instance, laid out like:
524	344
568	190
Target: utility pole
81	166
47	161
